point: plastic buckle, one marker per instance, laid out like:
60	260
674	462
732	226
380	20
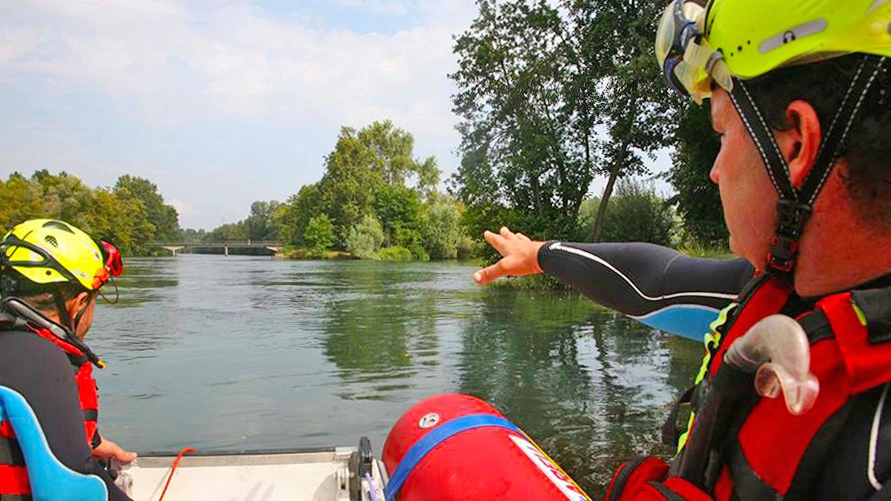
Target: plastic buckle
791	218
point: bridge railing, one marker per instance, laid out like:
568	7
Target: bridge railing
224	243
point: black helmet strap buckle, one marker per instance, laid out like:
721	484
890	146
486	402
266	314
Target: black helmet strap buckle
794	206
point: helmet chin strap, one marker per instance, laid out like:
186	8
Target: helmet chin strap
37	319
65	319
794	206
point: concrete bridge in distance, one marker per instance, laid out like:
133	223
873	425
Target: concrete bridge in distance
176	247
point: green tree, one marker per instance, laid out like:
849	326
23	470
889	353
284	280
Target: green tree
635	103
526	124
638	214
441	229
261	223
117	216
399	210
294	215
698	199
390	150
228	232
319	234
63	196
366	238
20	199
364	164
164	217
551	95
346	190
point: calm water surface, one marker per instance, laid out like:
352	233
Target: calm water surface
238	353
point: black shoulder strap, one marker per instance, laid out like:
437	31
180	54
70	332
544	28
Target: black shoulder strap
876	307
671	431
10	322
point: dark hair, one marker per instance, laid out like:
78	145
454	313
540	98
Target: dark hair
39	296
868	149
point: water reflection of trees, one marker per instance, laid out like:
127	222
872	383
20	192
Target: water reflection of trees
380	329
590	386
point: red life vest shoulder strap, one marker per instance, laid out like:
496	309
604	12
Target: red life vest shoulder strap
849	358
767	296
862	341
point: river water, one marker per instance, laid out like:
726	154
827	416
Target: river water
240	353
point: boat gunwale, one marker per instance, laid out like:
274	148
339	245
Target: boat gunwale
245	458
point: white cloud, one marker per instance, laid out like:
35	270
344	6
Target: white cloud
234	60
188	66
387	7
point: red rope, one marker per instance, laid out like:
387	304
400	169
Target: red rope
173	469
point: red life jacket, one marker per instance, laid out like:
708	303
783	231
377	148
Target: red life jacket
770	452
13	476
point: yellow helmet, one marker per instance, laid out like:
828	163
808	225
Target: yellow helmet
748	38
48	251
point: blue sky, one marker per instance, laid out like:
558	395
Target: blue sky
219	102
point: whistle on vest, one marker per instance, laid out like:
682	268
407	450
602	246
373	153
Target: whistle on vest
774	356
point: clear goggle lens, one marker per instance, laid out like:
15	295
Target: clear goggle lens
689	66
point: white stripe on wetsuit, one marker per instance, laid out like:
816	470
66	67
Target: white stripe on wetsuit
592	257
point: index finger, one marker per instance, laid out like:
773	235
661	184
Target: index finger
489	274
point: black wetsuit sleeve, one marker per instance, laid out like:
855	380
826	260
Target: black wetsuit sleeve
656	285
42	373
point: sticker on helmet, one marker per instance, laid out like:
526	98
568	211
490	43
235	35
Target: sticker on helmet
793	34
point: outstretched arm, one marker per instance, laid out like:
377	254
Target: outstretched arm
658	286
655	285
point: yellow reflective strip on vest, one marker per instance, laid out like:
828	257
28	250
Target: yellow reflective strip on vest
860	315
712	340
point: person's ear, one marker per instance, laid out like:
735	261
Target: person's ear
78	303
800	144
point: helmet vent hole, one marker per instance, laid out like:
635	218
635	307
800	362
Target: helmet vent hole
52	241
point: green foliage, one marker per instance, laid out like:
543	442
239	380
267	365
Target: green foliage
228	232
395	253
418	252
261	223
365	174
441	229
470	248
374	192
637	214
120	218
20	199
524	147
636	103
319	234
293	216
130	214
365	239
163	217
399	210
698	200
551	95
